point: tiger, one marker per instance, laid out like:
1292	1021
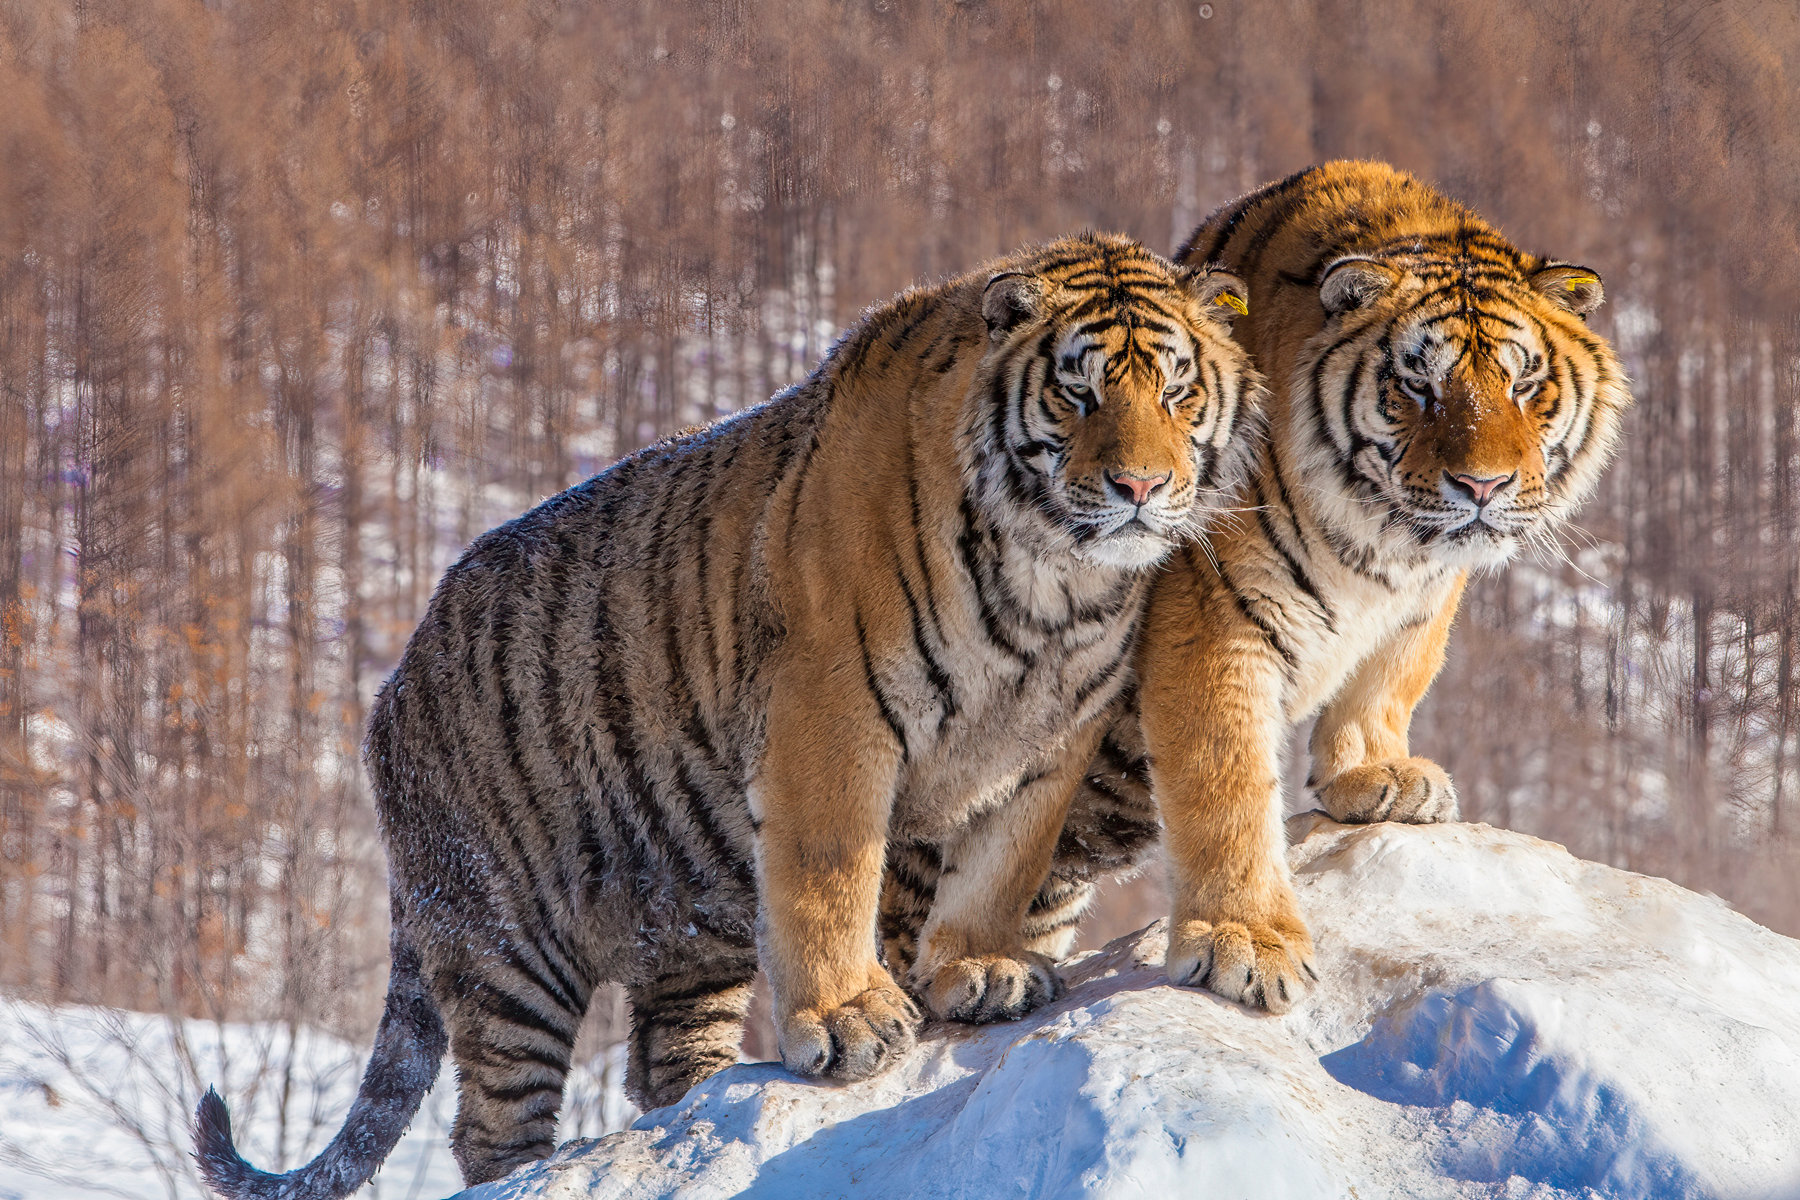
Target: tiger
659	729
1436	403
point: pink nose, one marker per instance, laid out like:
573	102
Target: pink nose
1134	487
1480	489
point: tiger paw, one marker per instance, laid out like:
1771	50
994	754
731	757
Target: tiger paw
1414	790
864	1036
990	987
1264	964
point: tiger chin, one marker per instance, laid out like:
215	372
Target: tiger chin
660	728
1437	401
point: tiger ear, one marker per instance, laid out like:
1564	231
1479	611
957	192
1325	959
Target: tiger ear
1221	294
1568	286
1353	282
1011	297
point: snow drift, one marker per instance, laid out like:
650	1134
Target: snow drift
1496	1018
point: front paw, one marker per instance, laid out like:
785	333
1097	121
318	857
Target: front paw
864	1036
1413	790
1265	964
990	987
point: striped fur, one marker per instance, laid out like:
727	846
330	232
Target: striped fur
661	727
1111	828
1407	343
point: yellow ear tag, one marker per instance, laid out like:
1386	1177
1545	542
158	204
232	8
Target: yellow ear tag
1578	279
1231	301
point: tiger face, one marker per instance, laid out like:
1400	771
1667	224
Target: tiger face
1119	397
1465	403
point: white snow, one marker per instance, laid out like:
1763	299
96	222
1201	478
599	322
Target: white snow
1496	1019
96	1102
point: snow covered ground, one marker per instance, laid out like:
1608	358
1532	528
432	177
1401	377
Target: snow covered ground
96	1103
1497	1019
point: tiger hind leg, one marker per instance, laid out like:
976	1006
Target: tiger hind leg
908	889
511	1035
686	1027
1056	911
1111	831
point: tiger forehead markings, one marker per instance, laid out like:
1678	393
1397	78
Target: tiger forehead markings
1470	414
660	728
1125	358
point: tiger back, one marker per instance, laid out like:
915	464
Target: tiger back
660	728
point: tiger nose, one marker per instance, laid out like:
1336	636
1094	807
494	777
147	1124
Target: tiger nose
1135	487
1480	489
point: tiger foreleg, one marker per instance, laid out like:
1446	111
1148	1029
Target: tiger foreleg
1361	768
974	959
823	796
1212	715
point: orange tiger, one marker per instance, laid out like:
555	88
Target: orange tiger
663	724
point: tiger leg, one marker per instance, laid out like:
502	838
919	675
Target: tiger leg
512	1031
1211	707
908	887
823	794
1361	770
973	964
1052	920
686	1027
1110	832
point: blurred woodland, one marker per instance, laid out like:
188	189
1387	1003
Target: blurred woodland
296	299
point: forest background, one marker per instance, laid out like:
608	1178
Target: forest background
296	299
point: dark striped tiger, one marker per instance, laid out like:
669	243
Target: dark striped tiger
1437	402
665	723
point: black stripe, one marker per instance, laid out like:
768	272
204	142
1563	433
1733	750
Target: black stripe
934	670
503	1006
1107	674
696	806
799	478
1216	245
638	854
660	1001
721	677
918	525
521	1055
1268	631
896	338
990	620
1295	571
875	690
513	1093
913	882
698	811
562	992
632	802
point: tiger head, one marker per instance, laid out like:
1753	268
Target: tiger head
1118	407
1462	402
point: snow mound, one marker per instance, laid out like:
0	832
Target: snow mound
1496	1019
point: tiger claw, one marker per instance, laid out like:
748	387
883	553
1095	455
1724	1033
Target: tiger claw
1259	964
